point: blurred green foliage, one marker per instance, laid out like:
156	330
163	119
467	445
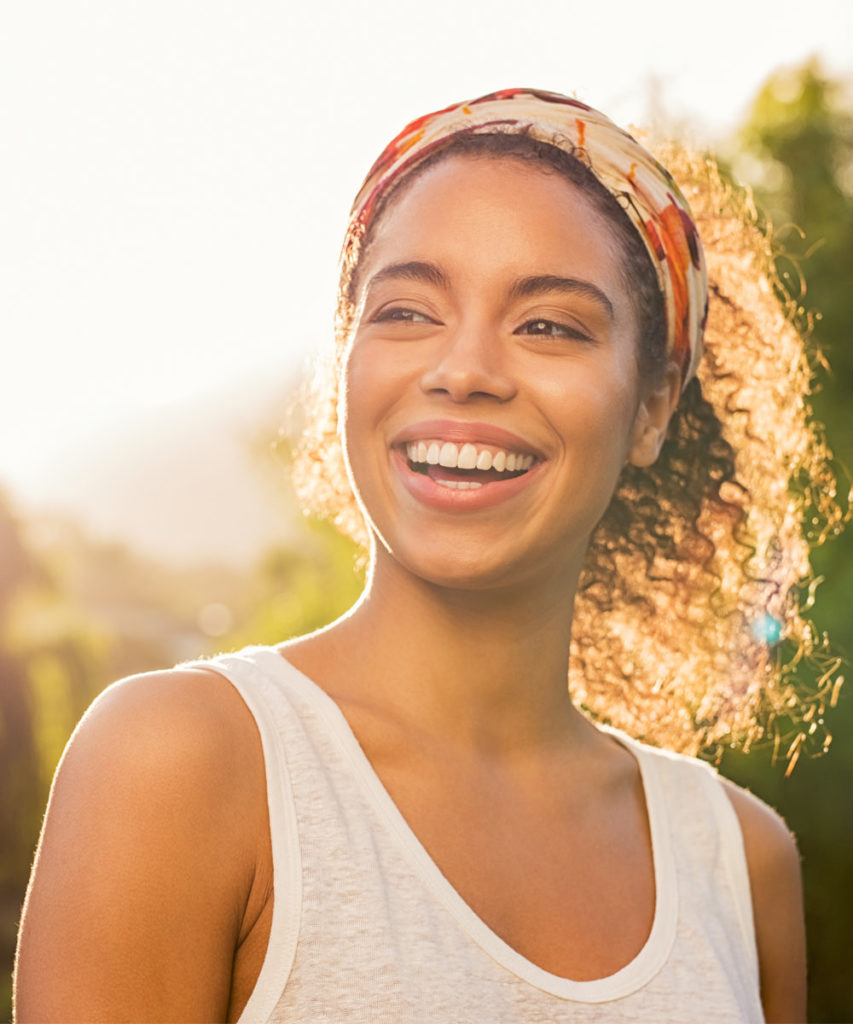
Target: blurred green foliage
75	615
797	147
800	133
297	592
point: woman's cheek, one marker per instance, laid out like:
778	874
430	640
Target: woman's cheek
364	402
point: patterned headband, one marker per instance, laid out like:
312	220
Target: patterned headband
645	189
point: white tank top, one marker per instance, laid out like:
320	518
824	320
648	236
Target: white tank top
367	929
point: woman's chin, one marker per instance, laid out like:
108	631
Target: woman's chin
468	567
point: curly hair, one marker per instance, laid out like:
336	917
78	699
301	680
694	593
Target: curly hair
691	611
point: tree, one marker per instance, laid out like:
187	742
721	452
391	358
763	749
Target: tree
796	149
21	793
802	136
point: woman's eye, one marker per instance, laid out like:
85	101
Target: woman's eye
401	315
552	329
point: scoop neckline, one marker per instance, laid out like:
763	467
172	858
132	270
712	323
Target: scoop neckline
629	978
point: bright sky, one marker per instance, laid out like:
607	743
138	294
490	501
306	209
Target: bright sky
176	175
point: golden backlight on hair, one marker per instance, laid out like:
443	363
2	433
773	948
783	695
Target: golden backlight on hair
702	561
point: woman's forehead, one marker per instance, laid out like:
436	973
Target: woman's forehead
467	177
490	211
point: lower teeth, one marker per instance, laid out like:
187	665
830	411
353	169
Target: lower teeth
459	485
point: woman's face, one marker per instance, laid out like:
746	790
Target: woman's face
492	394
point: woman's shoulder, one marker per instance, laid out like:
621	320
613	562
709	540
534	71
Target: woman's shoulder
176	749
767	838
151	861
773	863
186	720
773	859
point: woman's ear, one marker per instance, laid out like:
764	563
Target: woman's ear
653	416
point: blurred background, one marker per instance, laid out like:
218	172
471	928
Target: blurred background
176	179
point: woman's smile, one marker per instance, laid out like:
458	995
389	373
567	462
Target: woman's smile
473	461
441	476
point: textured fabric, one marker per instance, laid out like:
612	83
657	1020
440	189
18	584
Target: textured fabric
366	928
644	188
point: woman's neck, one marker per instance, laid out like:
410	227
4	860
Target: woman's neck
485	669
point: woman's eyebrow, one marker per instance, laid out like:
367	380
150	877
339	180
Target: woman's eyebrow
412	270
429	273
527	286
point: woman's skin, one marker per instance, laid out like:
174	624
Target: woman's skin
492	310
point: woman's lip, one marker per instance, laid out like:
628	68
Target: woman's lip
460	432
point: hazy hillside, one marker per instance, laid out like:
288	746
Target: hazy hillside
185	484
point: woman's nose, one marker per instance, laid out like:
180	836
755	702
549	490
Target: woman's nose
469	364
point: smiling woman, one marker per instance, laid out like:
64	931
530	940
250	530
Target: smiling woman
710	535
409	815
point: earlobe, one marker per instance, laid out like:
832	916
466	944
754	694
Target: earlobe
653	416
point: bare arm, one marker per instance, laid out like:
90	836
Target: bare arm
147	866
777	899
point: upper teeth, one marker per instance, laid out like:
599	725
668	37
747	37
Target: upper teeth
466	456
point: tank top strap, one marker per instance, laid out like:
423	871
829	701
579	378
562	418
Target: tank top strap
710	841
253	672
